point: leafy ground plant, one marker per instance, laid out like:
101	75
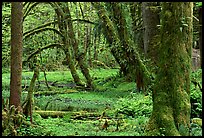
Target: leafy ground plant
126	110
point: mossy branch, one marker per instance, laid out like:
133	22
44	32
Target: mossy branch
29	8
27	34
43	48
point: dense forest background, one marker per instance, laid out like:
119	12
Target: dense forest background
70	57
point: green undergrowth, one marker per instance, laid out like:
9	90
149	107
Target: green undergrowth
126	110
68	127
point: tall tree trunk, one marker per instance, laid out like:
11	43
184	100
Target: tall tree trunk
63	29
79	56
121	44
88	43
200	35
150	16
72	68
134	67
95	48
27	106
171	94
137	28
16	52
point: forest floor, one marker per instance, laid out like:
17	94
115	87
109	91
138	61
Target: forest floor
114	108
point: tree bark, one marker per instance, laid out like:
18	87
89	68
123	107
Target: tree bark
16	52
122	46
72	68
200	35
79	56
137	28
27	108
171	94
63	29
150	16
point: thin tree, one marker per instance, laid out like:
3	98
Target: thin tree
171	94
16	53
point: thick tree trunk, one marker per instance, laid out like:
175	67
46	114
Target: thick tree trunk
150	16
171	95
16	52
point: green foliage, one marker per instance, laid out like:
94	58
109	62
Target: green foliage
33	131
196	95
98	101
6	22
183	130
196	130
6	81
70	127
12	119
5	70
113	96
199	4
138	105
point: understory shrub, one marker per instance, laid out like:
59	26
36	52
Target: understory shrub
138	105
196	94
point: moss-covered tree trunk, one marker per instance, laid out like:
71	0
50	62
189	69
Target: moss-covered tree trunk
171	94
27	106
16	53
63	29
122	46
80	56
111	35
72	68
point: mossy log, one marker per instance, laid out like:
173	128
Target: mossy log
73	115
53	114
39	93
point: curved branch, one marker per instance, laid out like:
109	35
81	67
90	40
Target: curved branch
53	22
43	48
83	20
25	3
39	27
27	34
57	8
29	8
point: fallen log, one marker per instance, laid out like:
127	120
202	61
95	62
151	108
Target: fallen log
73	115
53	114
48	93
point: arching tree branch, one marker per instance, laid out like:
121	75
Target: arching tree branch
29	8
43	48
29	33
